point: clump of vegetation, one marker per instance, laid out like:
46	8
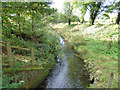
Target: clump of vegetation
8	81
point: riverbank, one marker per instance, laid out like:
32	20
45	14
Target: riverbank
98	46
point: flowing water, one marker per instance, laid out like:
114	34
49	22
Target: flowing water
69	71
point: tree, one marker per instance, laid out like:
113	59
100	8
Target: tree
118	18
114	6
118	8
83	11
94	9
18	17
35	9
68	11
82	6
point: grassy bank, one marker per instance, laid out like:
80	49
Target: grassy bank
98	46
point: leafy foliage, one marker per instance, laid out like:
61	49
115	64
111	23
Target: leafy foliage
95	8
82	6
23	25
7	79
68	10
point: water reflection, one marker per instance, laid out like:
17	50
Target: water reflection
62	42
77	73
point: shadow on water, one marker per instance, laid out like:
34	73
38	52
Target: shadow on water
69	72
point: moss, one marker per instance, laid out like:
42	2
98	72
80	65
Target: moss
37	80
34	68
9	70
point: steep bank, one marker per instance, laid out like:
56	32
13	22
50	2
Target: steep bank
99	49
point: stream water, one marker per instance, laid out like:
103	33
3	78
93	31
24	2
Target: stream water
69	71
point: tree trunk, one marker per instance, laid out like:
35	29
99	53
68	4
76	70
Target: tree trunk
69	21
32	27
82	19
94	17
91	17
118	18
94	12
19	21
92	21
84	10
2	22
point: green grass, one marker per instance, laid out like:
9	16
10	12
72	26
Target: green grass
104	59
99	56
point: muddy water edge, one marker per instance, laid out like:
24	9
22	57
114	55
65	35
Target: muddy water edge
69	71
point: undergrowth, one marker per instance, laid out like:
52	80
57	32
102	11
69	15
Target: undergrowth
46	49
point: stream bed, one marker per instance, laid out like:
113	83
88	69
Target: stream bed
69	71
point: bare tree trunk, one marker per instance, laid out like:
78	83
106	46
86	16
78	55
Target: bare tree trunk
94	17
118	18
91	18
93	12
